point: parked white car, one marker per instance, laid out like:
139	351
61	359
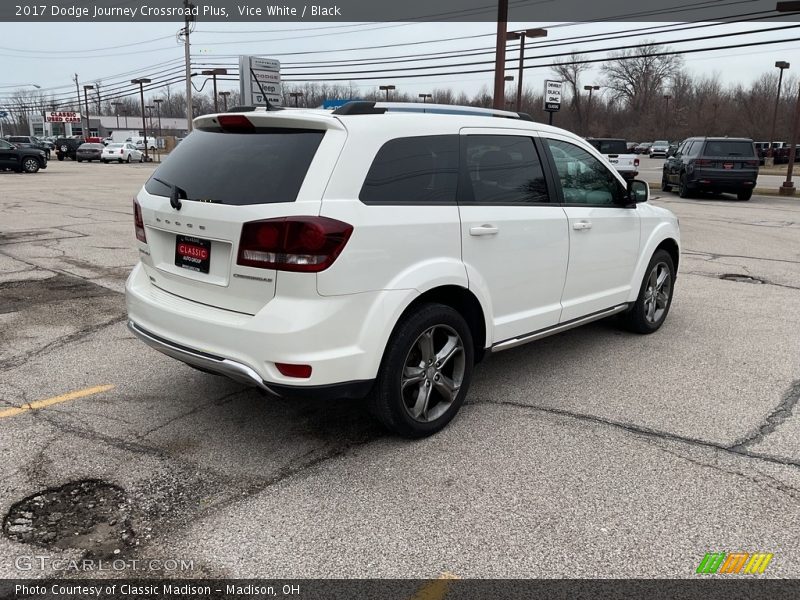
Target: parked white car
139	143
381	251
123	152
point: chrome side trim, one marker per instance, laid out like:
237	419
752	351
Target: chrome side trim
543	333
217	364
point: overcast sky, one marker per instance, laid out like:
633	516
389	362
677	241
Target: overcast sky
35	53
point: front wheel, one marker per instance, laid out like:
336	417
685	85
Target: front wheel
655	295
665	186
745	194
141	158
30	165
128	160
425	372
683	187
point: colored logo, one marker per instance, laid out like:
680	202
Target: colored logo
735	563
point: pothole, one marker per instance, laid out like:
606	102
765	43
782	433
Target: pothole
742	278
88	515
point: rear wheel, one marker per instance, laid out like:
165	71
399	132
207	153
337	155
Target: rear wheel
80	160
665	186
425	373
141	158
745	194
60	156
655	295
120	161
105	162
128	160
30	165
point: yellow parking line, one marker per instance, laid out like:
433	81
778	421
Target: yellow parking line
436	589
98	389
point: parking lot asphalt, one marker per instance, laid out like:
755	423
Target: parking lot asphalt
594	453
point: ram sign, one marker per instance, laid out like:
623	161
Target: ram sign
552	96
62	117
260	81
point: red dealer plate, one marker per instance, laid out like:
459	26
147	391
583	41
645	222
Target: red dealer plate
192	253
728	165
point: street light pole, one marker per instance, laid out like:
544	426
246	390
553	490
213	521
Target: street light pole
140	82
158	102
769	160
666	113
225	100
386	88
214	73
787	189
521	35
590	89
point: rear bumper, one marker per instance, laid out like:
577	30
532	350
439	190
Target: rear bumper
720	180
245	374
342	338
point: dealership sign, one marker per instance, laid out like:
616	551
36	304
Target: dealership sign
62	117
260	81
552	96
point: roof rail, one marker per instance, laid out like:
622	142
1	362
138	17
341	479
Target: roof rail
361	107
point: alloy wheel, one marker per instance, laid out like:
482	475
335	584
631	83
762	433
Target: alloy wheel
657	293
433	373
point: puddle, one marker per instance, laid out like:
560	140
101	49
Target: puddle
88	515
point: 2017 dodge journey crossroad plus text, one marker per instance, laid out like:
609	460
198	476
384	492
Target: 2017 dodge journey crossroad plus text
380	250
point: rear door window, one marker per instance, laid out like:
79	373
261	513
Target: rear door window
263	167
729	148
504	169
413	170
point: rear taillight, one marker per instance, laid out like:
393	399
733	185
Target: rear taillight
751	163
138	222
702	162
301	244
635	162
122	151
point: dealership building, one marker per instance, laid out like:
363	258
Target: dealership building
104	126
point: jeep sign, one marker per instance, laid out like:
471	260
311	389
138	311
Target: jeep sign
552	96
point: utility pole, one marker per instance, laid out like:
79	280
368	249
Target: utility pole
666	113
78	91
500	55
140	82
86	89
590	89
116	110
187	57
158	102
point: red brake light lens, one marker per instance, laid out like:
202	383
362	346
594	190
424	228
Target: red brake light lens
299	244
702	162
138	222
237	123
299	371
635	162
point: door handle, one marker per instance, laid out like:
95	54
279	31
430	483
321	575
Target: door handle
582	225
483	230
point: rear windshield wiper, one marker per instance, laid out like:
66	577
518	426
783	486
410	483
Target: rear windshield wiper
176	193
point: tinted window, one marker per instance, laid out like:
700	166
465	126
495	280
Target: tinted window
584	179
413	170
728	148
505	169
238	168
18	139
5	145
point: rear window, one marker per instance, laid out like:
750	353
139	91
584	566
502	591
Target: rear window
413	170
728	148
18	139
610	146
264	167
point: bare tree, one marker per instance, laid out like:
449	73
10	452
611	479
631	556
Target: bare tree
569	71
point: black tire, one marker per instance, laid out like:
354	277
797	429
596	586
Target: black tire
637	319
30	165
665	186
391	404
745	194
80	160
60	157
120	161
105	162
128	160
141	158
683	187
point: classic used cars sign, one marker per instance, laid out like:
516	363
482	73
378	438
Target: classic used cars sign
62	117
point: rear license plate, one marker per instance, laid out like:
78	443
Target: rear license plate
192	253
728	165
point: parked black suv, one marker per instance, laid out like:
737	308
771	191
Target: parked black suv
67	147
29	141
712	164
22	159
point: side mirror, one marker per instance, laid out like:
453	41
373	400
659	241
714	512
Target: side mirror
638	191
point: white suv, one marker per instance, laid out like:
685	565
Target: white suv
380	250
